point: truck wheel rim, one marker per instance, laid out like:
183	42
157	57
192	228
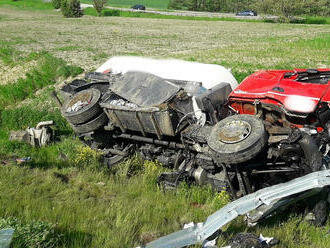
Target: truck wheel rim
234	132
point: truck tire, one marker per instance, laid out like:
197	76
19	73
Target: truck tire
86	113
237	139
92	125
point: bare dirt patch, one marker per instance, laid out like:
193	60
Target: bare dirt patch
10	74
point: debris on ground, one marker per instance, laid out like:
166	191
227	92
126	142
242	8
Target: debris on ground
250	240
38	136
77	106
6	236
23	160
319	213
122	102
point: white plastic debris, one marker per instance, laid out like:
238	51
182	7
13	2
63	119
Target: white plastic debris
265	239
190	224
209	243
122	102
77	106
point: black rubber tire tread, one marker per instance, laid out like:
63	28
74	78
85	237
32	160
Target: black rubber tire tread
92	125
242	151
88	112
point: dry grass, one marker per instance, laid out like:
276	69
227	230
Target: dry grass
10	74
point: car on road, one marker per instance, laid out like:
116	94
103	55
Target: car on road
247	13
139	7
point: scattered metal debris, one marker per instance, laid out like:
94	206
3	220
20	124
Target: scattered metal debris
39	136
6	236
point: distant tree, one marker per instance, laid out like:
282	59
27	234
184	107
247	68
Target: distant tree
56	4
99	5
71	8
283	8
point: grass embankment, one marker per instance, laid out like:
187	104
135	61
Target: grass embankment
28	4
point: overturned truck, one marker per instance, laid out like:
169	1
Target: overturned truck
271	128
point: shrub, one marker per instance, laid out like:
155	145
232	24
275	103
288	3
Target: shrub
56	4
111	12
71	8
85	157
315	20
99	5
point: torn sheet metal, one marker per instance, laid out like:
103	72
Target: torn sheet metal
144	89
272	197
6	236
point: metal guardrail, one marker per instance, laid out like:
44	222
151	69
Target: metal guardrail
265	201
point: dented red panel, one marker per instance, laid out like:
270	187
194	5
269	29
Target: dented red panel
272	87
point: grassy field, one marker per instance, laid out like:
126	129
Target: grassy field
64	197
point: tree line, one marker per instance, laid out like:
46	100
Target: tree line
285	8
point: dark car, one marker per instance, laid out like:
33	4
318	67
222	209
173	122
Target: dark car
139	7
247	13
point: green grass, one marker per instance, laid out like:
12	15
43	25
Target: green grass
47	72
108	216
28	4
317	20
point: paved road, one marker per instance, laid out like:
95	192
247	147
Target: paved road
186	13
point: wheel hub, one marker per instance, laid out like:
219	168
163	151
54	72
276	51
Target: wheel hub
234	131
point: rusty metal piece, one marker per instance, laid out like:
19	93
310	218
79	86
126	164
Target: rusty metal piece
155	124
140	123
113	116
